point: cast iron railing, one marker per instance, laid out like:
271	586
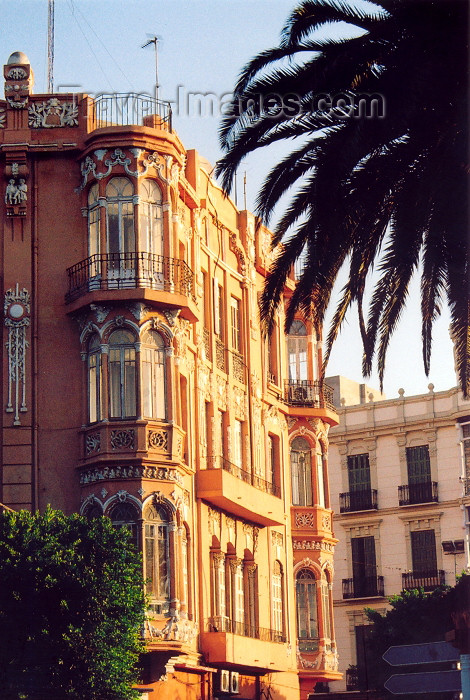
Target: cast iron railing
308	393
105	271
358	500
366	587
428	580
125	109
423	492
221	623
247	477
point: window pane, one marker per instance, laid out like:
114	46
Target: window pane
301	473
418	464
115	383
94	387
423	551
129	397
113	228
359	472
320	481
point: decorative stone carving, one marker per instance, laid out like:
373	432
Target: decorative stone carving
239	400
101	311
16	309
215	521
312	545
239	252
291	421
304	520
52	113
3	117
122	439
16	191
158	440
17	73
92	443
326	522
176	629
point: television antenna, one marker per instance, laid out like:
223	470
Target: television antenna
50	46
154	40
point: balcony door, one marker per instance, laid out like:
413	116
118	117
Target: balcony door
423	553
419	474
359	482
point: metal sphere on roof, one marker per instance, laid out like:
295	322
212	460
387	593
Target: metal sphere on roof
18	57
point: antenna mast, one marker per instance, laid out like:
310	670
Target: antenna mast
154	41
50	46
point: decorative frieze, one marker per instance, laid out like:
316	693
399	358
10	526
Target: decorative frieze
312	545
124	471
16	309
167	170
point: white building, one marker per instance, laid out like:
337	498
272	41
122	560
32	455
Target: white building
400	490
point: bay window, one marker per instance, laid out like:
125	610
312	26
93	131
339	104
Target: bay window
122	375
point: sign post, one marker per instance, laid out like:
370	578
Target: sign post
423	682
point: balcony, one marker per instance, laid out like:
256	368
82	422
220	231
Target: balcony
169	280
308	393
303	395
353	501
129	443
367	587
126	109
428	580
226	641
412	494
240	492
221	623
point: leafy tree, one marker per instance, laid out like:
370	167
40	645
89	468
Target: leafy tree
415	617
387	187
71	607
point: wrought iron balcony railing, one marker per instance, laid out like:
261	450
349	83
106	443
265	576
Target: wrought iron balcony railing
221	623
247	477
352	501
423	492
428	580
220	352
125	109
308	393
106	271
366	587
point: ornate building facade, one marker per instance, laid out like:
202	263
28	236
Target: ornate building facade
137	385
400	479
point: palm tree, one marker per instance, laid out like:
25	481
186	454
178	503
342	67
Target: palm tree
384	186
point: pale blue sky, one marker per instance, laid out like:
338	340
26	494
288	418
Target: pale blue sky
203	45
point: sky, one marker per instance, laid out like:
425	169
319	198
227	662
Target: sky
202	46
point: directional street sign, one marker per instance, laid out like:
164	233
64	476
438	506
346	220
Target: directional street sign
435	682
411	654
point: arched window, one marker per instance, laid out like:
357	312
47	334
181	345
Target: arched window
301	472
94	379
297	351
153	376
120	215
151	218
94	510
157	558
278	601
122	375
307	616
124	515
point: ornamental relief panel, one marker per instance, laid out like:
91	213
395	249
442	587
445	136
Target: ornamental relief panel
16	310
52	113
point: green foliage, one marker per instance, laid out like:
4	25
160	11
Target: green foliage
384	189
415	617
71	607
